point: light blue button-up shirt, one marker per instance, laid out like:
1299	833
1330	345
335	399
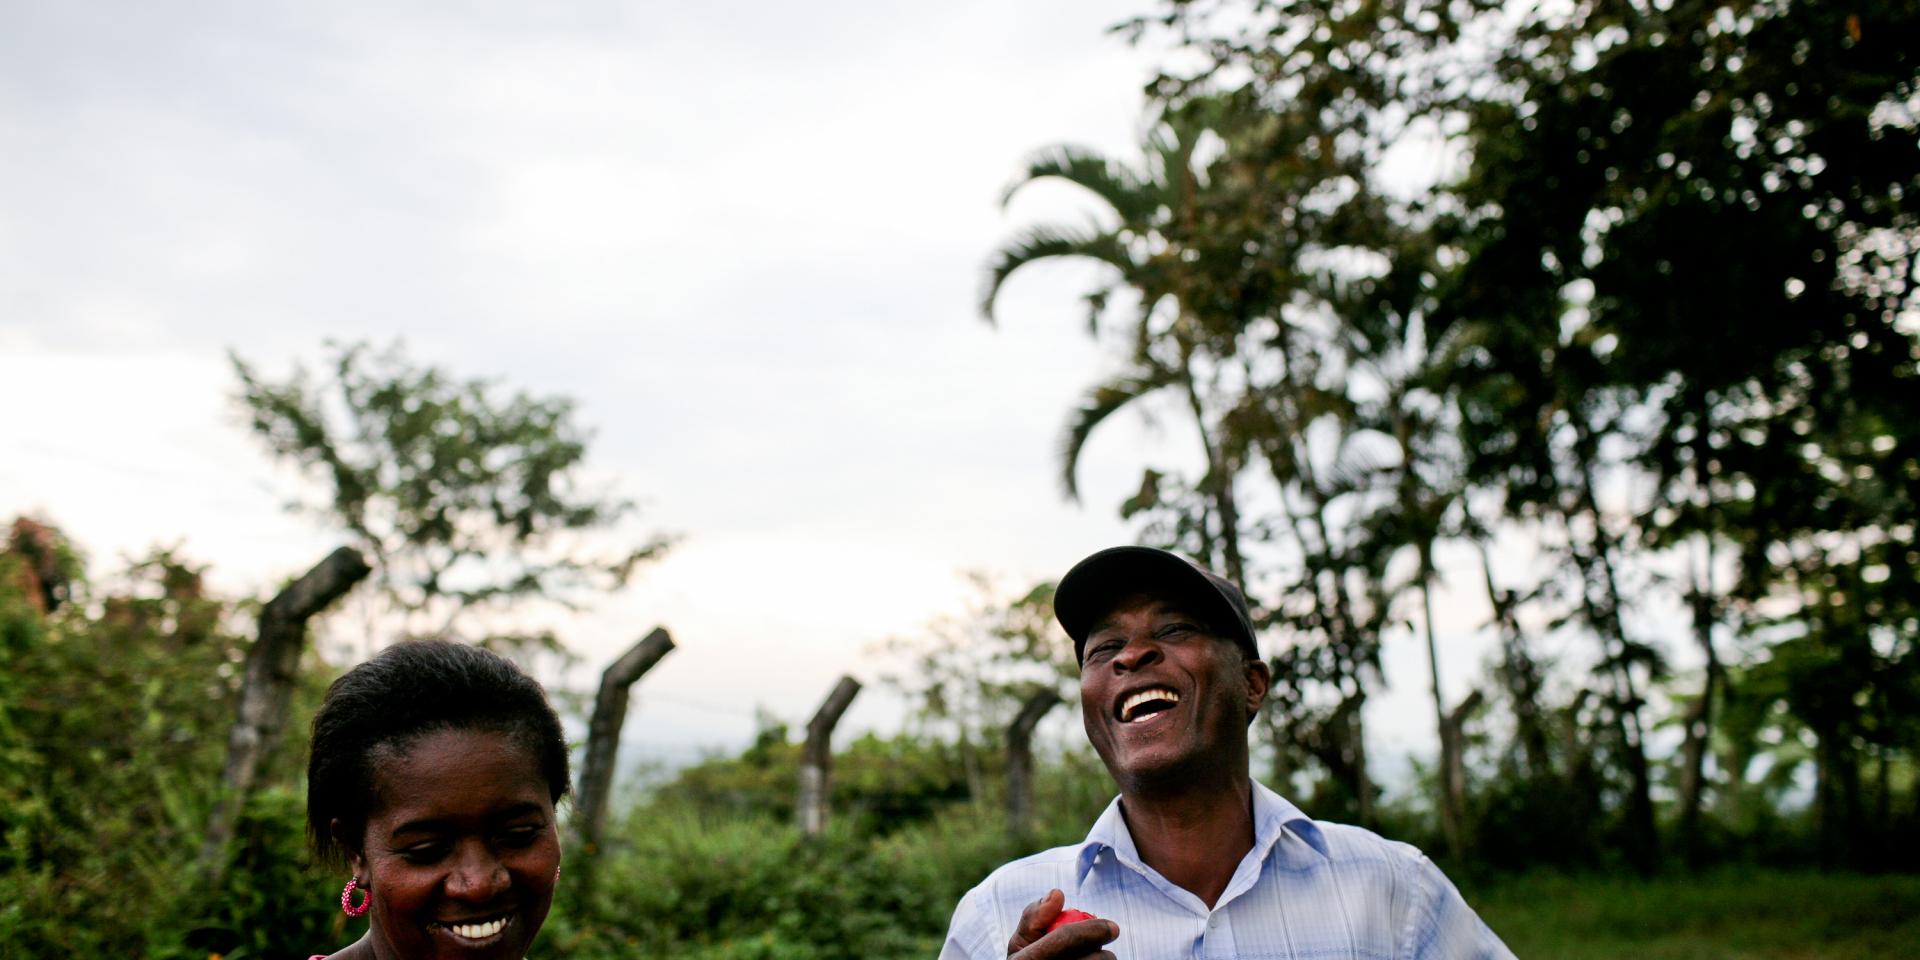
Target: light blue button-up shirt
1306	891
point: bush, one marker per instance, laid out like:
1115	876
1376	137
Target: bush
677	880
114	716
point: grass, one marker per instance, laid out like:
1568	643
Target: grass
1730	914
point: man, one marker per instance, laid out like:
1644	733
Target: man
1194	858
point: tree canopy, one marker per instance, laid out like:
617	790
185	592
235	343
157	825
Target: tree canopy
1646	306
469	500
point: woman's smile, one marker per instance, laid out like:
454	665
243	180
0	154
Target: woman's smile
475	933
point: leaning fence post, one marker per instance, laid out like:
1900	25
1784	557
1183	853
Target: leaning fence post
1020	758
603	732
817	756
266	694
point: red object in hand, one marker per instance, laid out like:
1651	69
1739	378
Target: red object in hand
1069	916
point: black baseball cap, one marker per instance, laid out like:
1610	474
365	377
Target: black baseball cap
1095	584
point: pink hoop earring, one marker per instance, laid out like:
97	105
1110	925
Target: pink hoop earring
346	899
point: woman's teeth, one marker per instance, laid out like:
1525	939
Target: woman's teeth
478	931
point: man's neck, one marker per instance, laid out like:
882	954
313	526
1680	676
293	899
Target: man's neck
1195	836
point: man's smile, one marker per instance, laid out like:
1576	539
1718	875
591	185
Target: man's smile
1145	704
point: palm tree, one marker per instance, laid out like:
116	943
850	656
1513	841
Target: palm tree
1149	239
1223	233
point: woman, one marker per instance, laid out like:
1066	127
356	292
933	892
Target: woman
435	770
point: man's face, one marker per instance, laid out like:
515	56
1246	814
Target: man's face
1162	697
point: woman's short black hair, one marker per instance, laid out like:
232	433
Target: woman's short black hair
412	689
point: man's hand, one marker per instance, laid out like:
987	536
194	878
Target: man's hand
1073	941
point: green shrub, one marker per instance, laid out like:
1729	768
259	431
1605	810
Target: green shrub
114	715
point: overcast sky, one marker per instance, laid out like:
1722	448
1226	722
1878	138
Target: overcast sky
746	237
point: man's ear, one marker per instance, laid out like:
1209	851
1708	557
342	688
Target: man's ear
356	857
1259	678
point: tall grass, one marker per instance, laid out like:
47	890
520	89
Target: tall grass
1725	914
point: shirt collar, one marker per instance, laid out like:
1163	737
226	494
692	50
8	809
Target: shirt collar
1273	816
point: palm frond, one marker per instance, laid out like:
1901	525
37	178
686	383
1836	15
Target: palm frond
1132	197
1359	464
1044	242
1101	402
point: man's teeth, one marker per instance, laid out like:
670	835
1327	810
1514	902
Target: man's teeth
478	931
1145	696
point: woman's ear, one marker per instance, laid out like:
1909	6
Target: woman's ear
356	857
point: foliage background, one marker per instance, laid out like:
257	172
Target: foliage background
1657	333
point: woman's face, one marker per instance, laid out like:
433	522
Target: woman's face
461	849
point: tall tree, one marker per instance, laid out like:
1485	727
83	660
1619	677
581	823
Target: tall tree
1248	278
1149	235
1726	225
1660	330
467	501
